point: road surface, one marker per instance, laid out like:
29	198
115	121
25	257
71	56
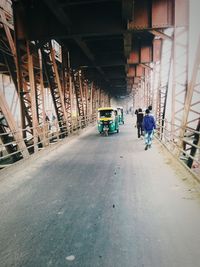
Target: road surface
100	201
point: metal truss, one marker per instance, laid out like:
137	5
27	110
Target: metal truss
163	84
68	94
33	67
67	86
52	76
85	90
26	80
78	86
93	98
190	129
39	86
10	136
20	64
180	72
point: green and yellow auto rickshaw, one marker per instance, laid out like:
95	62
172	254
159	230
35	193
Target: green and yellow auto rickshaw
108	120
120	112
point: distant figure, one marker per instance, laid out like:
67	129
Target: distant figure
48	122
136	111
139	121
47	118
53	117
148	125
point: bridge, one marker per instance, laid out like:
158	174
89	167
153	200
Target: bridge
70	196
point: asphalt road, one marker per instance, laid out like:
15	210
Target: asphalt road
100	201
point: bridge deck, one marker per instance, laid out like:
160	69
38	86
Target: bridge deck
100	201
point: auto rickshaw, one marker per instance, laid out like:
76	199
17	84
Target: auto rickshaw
120	112
108	120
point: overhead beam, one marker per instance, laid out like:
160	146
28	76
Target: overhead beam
58	13
89	54
61	16
161	35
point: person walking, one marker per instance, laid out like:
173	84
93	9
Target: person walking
150	108
148	125
139	121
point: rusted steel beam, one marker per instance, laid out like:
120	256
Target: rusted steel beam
67	85
141	15
20	25
35	123
13	129
52	75
141	52
152	14
77	81
40	92
162	13
57	79
146	53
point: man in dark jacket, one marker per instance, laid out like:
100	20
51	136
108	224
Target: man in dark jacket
148	125
139	121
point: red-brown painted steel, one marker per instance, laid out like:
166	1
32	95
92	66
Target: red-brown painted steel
162	13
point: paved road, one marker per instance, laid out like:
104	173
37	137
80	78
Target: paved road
100	201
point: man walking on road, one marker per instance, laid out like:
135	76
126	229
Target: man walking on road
148	125
139	122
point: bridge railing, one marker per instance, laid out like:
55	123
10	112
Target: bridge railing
46	135
185	148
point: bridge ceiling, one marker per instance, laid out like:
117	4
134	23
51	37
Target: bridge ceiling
99	34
